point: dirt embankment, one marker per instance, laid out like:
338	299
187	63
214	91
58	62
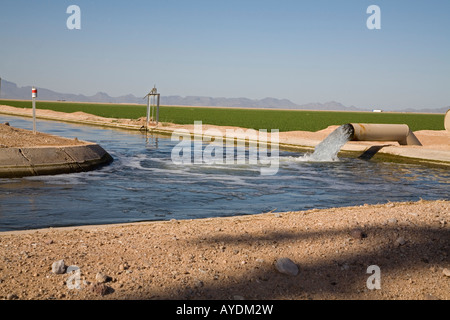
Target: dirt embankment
11	137
234	258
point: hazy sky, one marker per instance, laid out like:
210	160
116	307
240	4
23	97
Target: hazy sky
305	51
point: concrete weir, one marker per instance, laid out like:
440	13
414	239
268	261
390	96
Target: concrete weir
34	161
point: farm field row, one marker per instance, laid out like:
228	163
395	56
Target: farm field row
283	120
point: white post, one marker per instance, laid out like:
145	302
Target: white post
148	111
152	106
33	97
157	109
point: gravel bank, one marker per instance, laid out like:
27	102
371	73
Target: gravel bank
236	257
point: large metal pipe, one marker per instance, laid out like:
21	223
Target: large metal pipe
384	132
447	120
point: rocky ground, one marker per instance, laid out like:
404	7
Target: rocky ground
328	254
16	137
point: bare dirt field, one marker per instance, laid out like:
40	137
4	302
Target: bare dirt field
235	257
330	252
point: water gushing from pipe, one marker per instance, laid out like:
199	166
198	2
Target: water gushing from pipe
328	149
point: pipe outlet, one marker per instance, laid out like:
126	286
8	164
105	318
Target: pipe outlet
384	132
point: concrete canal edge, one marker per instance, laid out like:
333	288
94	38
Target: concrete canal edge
35	161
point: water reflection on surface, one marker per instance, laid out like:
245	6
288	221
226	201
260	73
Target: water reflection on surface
144	184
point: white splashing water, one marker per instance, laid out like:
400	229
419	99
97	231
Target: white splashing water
328	149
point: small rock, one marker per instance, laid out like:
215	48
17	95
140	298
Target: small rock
392	221
400	241
7	124
12	296
198	283
390	205
238	297
124	266
58	267
101	289
446	272
286	266
102	278
357	234
345	267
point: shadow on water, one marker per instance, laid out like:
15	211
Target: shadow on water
371	152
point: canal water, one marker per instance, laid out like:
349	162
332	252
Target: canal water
143	184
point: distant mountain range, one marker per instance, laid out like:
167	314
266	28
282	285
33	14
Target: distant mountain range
10	90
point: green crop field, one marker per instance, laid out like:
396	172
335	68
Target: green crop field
283	120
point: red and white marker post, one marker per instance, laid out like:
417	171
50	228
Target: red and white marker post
33	97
